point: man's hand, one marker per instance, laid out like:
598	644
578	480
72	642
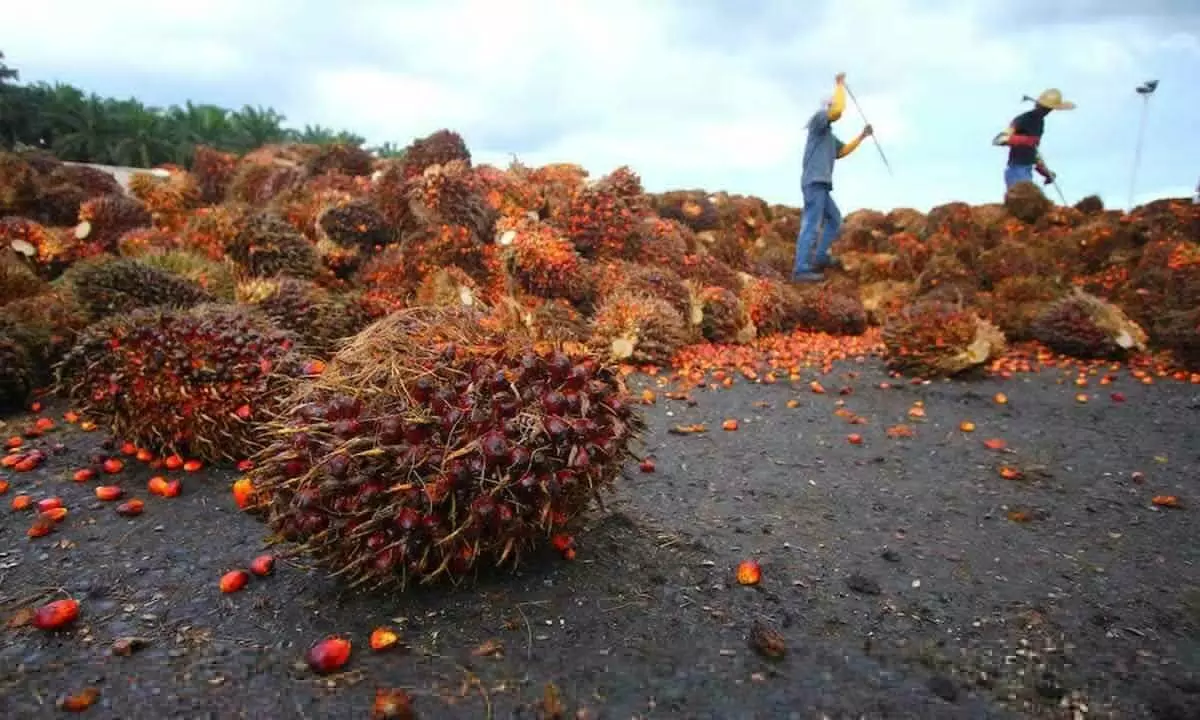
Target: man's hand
868	131
1047	174
840	78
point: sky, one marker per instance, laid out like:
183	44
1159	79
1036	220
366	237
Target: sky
711	94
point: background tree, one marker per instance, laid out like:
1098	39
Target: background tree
85	127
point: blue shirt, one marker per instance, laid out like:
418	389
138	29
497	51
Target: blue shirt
820	151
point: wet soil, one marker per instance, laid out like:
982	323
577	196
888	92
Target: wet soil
906	576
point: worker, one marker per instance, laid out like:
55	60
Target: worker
1023	137
821	214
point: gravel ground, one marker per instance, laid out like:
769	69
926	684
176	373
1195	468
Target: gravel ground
906	576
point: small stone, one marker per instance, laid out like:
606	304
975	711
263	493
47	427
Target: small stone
943	687
890	555
863	584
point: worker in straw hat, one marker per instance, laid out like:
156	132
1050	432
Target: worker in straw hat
821	214
1024	135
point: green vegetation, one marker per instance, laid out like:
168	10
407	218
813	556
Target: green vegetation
84	127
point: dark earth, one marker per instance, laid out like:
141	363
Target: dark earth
907	577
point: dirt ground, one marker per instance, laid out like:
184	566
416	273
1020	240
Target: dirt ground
907	576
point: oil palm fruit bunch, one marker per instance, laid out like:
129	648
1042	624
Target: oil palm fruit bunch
1016	302
936	339
216	277
342	158
213	170
718	316
438	246
660	282
448	194
601	222
439	148
46	325
450	286
707	270
637	328
541	260
109	286
356	224
829	311
1012	259
772	305
386	282
195	381
18	185
1084	326
17	373
265	245
1026	202
17	279
663	242
103	220
168	199
430	447
693	208
1179	332
318	318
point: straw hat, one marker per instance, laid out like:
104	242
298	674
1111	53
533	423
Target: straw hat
1053	99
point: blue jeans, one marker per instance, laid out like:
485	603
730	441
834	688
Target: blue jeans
1014	174
820	212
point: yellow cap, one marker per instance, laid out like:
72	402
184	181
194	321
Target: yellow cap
1053	99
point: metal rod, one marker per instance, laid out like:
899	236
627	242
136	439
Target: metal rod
878	147
1137	152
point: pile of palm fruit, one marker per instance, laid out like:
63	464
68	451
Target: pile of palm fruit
423	354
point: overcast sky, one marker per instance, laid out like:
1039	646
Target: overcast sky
690	93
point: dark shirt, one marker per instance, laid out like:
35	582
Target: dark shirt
820	151
1031	123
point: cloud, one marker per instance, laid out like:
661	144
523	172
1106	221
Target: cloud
690	94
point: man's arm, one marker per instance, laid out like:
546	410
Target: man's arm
1014	136
845	149
838	105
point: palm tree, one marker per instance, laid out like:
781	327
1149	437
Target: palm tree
144	139
256	126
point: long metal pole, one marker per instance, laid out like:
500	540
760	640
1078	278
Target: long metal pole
878	147
1137	153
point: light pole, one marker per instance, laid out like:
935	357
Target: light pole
1146	89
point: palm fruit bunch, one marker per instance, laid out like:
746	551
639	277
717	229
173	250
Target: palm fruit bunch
143	240
213	170
102	220
717	314
430	448
1090	205
439	148
1179	332
537	319
436	246
772	256
637	328
17	279
386	281
347	232
168	199
1012	259
692	208
663	242
51	250
215	277
883	299
259	180
265	245
601	222
107	286
541	260
18	185
724	245
863	231
707	270
947	277
1084	326
935	339
318	318
212	229
954	219
626	183
556	184
17	366
194	381
1014	303
661	282
448	287
448	194
342	158
510	194
773	306
831	311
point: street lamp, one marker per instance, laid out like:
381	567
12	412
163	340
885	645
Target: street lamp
1146	89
